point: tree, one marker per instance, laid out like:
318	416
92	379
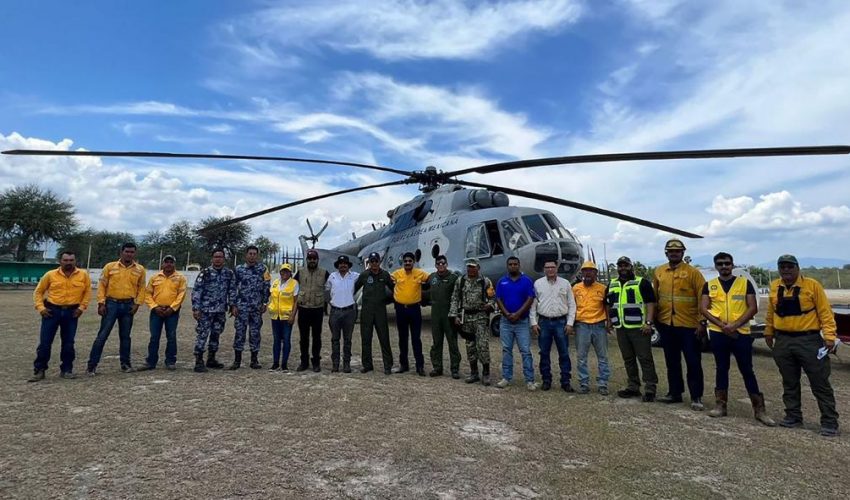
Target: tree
268	248
105	245
30	215
232	238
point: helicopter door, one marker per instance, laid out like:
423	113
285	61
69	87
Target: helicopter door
483	240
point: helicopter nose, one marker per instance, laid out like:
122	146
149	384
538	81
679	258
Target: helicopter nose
567	253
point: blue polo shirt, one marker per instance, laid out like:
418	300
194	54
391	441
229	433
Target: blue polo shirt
513	294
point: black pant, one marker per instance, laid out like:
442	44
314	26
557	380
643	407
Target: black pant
310	321
678	342
409	322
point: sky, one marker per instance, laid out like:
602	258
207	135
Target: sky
454	84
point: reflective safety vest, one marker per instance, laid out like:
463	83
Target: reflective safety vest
281	301
625	304
728	307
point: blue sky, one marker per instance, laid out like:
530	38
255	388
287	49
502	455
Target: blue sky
453	84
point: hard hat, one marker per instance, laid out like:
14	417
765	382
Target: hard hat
285	267
588	265
674	244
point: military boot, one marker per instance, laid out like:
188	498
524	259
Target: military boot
254	363
237	360
473	373
720	398
212	362
485	373
759	410
199	362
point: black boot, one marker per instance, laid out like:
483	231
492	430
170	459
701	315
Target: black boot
213	363
199	363
237	360
254	363
473	373
485	373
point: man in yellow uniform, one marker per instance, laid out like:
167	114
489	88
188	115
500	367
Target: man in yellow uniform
800	320
61	297
164	296
728	302
591	327
120	292
678	287
407	294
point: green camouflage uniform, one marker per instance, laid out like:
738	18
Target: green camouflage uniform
475	320
440	290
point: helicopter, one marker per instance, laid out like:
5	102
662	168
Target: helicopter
463	219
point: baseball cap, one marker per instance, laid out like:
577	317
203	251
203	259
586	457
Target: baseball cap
787	259
472	262
374	256
624	259
286	267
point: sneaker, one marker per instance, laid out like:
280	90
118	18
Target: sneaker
284	369
697	405
630	393
127	369
649	397
603	391
791	422
37	376
170	368
583	389
68	375
829	431
274	367
503	383
145	367
91	371
531	386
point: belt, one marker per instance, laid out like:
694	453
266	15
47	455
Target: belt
473	310
335	308
415	304
804	333
121	301
556	318
592	324
57	306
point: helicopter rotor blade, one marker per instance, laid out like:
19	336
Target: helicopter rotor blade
322	230
580	206
657	155
298	202
310	226
153	154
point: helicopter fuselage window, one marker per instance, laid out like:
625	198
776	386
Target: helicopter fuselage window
558	228
537	229
514	235
496	247
477	242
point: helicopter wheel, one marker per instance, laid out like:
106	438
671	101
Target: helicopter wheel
494	325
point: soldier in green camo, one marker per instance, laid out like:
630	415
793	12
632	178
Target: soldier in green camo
472	303
440	286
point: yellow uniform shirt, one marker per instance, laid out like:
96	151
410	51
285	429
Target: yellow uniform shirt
165	290
590	302
122	282
812	299
678	293
63	290
282	299
408	286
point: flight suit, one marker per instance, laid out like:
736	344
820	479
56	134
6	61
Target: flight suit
377	293
441	289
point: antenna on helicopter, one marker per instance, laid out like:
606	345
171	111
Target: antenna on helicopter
314	237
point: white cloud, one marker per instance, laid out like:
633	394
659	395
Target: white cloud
329	120
219	128
397	29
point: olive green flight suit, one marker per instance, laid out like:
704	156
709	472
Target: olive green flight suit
440	289
377	291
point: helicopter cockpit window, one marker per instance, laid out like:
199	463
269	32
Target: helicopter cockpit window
496	247
558	228
477	242
537	229
514	235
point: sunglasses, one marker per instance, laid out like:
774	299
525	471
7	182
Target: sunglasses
723	264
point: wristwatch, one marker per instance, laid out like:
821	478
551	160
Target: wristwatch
649	323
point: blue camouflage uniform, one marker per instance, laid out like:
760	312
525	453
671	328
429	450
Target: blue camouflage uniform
252	293
213	294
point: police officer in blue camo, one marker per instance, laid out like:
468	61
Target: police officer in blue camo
252	299
214	293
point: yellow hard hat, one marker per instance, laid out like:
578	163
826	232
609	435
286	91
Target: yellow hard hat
588	265
286	267
674	244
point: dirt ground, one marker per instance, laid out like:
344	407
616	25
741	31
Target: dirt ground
259	434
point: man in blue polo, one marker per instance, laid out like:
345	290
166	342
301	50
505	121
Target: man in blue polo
514	295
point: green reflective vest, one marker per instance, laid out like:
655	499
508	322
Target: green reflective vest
625	304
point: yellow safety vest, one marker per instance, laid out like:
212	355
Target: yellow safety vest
281	301
728	307
625	304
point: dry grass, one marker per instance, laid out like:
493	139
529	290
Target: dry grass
259	434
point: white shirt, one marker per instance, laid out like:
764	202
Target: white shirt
342	288
553	300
